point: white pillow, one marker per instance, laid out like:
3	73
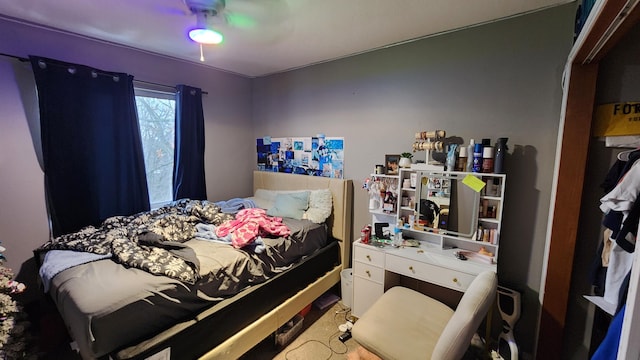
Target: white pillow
320	202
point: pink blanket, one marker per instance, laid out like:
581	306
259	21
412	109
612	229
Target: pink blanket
249	224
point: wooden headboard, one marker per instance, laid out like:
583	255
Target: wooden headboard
340	222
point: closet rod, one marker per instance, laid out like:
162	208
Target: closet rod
135	80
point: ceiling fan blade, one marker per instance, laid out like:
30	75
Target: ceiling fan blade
249	14
171	10
239	21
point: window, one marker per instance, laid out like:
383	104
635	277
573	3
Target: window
156	116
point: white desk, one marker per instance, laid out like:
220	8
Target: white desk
376	268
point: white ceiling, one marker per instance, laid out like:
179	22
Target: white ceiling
286	34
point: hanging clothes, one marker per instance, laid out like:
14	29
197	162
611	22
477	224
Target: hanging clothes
621	206
608	349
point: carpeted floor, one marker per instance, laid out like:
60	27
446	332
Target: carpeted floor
318	339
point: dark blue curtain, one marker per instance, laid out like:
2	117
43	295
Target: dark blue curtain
188	168
93	162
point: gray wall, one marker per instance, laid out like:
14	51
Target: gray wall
498	80
229	150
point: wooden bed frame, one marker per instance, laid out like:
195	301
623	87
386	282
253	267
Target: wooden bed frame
340	228
340	224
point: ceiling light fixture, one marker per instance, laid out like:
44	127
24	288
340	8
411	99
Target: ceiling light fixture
203	32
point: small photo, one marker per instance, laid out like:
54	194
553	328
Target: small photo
391	164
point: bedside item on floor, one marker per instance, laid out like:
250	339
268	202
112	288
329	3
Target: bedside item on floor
288	331
345	336
509	307
325	300
346	287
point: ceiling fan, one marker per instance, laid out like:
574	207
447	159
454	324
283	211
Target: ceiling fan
205	12
212	15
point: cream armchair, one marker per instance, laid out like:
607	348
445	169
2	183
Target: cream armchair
405	324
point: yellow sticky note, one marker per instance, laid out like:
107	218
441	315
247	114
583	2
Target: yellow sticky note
474	183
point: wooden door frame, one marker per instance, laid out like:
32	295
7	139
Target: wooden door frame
598	39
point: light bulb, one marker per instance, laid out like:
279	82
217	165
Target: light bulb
205	36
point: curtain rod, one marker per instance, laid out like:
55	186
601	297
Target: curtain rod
135	80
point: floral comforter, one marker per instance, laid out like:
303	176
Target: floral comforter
151	241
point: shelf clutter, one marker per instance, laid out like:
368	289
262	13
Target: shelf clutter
454	199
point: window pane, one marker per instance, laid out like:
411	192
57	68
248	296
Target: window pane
157	127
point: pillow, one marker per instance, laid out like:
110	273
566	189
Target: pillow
290	205
261	203
320	202
268	195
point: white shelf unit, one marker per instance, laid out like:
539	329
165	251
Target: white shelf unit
379	214
489	219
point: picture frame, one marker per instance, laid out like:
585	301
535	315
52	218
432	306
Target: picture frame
391	164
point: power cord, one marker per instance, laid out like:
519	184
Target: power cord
328	346
335	336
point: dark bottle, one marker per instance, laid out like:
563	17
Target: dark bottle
501	151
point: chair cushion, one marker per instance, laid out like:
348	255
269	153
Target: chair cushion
412	325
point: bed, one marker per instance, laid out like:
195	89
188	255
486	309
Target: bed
146	307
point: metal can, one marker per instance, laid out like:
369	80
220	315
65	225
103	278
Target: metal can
364	234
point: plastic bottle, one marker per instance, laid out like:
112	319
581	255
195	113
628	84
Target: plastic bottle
470	149
461	164
397	236
487	159
501	150
451	157
477	158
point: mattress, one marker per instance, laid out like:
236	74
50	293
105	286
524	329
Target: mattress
194	337
107	306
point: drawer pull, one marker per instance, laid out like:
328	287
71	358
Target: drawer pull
368	273
455	280
411	268
369	257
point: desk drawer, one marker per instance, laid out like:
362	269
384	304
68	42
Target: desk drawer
368	272
368	255
430	273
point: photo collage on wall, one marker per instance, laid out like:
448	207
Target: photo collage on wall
314	156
